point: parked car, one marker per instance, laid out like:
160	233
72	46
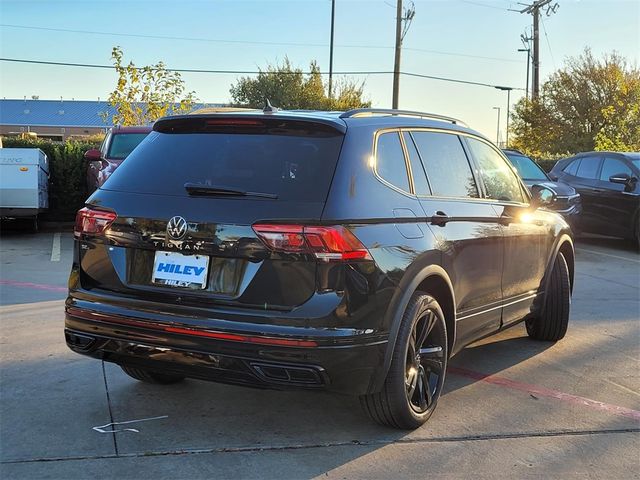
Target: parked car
567	201
354	252
608	185
117	145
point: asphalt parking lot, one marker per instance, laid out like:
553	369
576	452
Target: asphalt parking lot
512	407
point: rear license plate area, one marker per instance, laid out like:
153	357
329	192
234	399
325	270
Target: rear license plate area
174	269
223	277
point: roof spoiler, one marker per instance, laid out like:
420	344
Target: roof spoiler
235	121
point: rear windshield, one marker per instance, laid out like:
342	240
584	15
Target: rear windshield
122	144
292	165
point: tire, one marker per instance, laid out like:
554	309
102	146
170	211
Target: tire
403	402
148	376
551	324
32	224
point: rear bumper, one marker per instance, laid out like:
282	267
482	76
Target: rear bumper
338	360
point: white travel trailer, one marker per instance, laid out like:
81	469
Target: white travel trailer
24	183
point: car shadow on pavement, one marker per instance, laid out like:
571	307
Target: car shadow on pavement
492	356
217	416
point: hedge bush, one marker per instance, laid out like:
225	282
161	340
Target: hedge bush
67	169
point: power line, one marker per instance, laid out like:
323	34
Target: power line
478	4
544	28
248	42
455	80
162	37
255	72
437	52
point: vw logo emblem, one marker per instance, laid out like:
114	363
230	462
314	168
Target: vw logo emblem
177	228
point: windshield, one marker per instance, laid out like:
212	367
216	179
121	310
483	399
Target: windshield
527	168
122	144
297	167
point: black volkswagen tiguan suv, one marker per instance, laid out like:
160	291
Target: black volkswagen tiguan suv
354	252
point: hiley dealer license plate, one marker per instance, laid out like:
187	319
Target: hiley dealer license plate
178	270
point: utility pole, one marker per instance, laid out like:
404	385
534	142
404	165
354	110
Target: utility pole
536	53
534	10
403	22
333	16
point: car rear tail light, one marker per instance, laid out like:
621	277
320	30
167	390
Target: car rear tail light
92	222
326	243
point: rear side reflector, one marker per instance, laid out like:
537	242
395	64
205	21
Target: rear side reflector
326	243
92	222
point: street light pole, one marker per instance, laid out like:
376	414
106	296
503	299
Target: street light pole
528	50
333	14
508	90
508	114
498	129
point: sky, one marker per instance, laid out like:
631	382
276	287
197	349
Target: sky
474	40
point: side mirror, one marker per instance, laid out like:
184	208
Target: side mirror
624	179
542	196
92	155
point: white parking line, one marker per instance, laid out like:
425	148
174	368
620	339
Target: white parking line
55	248
580	249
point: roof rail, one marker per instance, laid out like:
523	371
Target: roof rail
368	112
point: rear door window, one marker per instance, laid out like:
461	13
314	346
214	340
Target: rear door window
390	162
588	168
446	164
292	162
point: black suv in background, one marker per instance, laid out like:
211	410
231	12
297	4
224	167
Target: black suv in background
567	201
354	252
608	185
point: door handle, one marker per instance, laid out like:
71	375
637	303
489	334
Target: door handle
439	218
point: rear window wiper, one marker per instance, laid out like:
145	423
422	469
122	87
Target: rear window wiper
213	190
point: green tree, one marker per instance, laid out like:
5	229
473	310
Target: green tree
289	88
144	94
589	104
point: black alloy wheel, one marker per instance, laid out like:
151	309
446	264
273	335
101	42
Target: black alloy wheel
415	379
424	364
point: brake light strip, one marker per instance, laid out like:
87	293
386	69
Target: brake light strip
232	337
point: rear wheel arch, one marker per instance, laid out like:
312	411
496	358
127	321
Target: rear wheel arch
433	280
442	290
